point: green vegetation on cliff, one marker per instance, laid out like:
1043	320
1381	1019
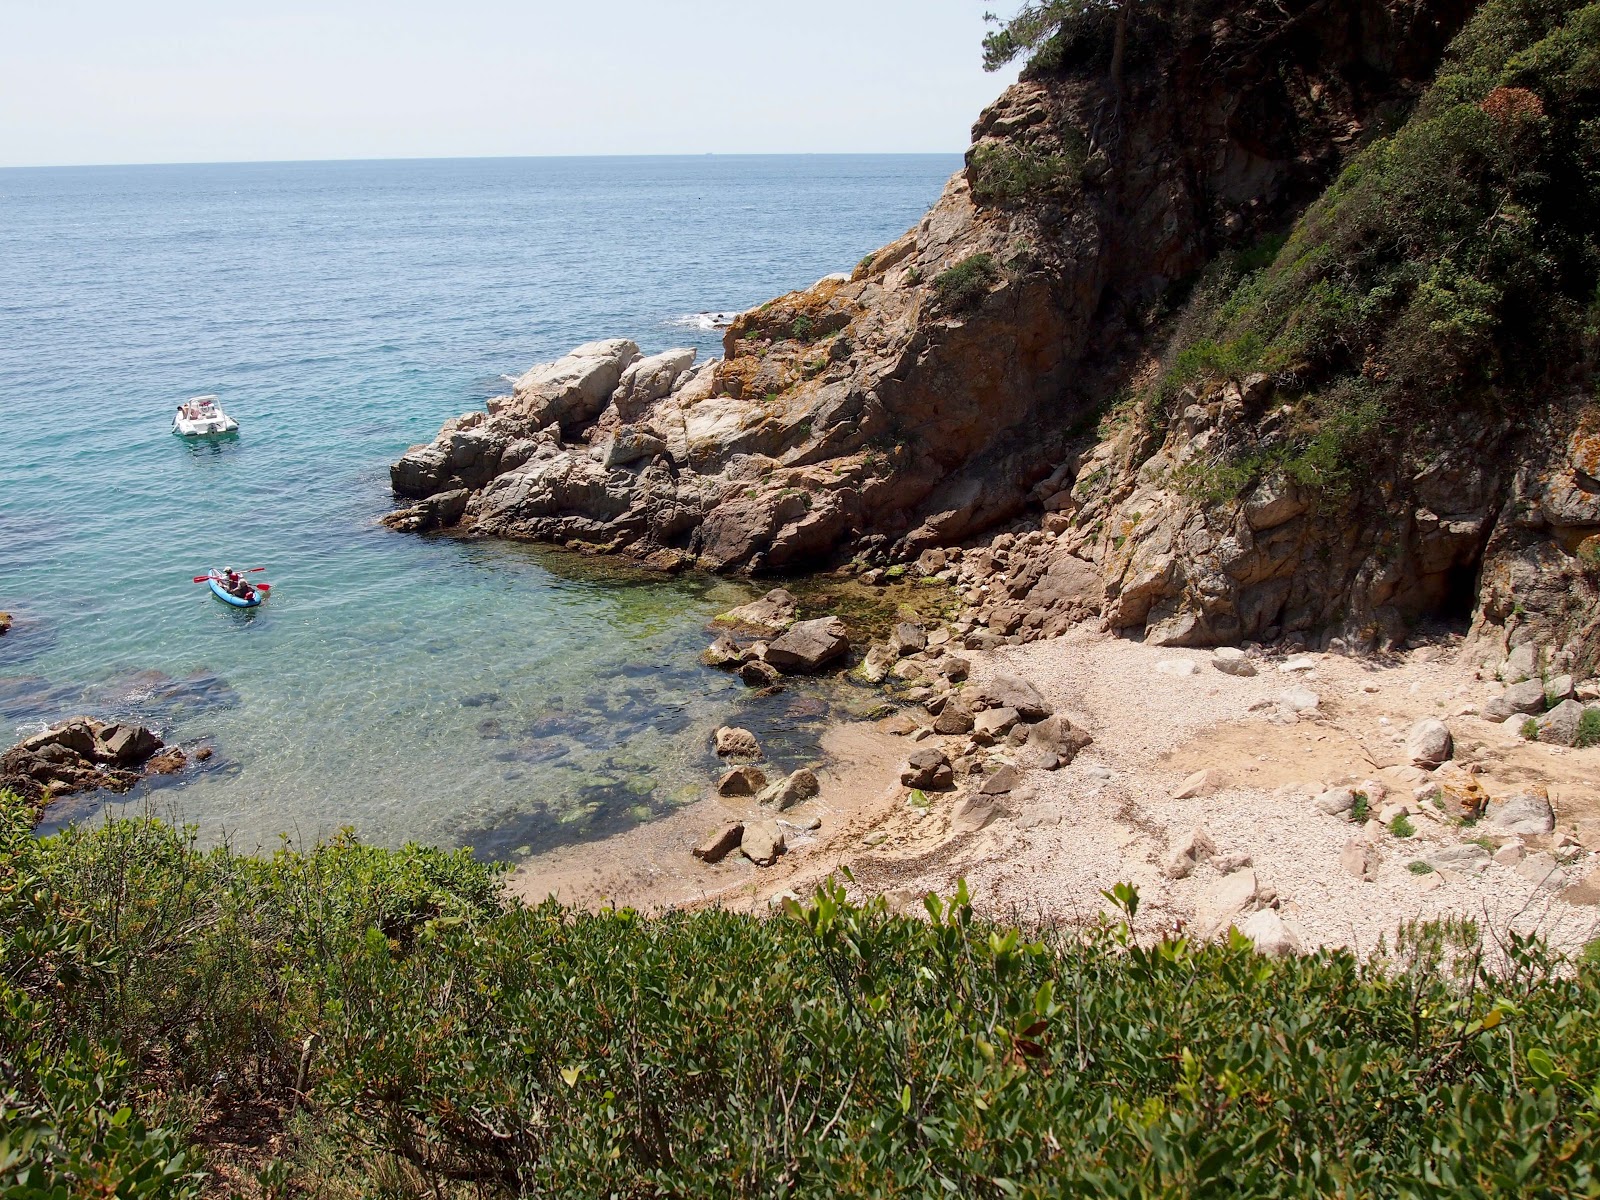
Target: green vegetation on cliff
412	1035
1452	270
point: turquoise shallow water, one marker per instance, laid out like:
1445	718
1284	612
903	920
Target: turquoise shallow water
493	695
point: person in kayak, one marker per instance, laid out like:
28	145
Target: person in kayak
234	584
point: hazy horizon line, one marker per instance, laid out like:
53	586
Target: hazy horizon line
421	158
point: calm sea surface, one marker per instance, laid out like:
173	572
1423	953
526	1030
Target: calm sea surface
497	696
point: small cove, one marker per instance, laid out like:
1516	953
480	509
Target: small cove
506	697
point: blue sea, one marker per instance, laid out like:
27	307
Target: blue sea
501	696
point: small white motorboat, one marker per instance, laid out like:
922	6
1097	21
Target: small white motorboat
202	416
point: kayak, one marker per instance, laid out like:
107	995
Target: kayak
227	597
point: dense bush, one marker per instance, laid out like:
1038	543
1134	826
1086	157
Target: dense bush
465	1048
1453	267
964	285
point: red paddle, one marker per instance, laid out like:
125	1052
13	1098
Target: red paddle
260	587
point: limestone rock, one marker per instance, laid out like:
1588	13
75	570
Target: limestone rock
1559	688
1177	667
1300	700
1522	664
717	846
794	789
762	842
1011	691
733	742
1271	934
927	770
1525	697
772	614
1526	813
875	666
1231	661
742	781
1428	744
1195	848
809	646
1542	870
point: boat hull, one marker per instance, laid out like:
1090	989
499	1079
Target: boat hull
222	593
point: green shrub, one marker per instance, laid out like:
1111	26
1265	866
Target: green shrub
964	285
1588	729
1402	827
1530	730
1361	809
1419	867
1003	173
467	1047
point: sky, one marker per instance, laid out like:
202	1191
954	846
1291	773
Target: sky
108	81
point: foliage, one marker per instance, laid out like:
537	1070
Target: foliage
1530	730
1361	809
1005	173
1452	268
964	285
1419	867
1402	827
1588	729
465	1047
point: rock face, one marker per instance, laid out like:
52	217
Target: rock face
83	755
942	389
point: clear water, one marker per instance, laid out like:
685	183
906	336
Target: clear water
457	693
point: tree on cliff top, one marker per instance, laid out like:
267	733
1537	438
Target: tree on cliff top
1038	27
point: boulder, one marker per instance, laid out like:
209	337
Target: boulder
723	653
5	623
928	770
809	646
908	638
772	614
1525	697
1232	661
994	723
1523	814
1360	858
1005	780
1429	744
630	444
954	718
733	742
717	846
1195	848
1011	691
571	390
762	842
793	789
1177	667
1543	870
974	812
648	380
1271	934
1201	783
1558	689
757	674
1521	664
1336	801
1467	856
1299	700
1559	726
1059	736
875	666
742	781
1223	901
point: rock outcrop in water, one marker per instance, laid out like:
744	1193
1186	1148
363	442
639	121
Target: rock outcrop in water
85	755
1012	363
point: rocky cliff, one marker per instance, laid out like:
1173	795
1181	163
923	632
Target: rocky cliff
1076	347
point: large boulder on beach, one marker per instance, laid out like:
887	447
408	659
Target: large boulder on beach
772	613
1429	744
1526	813
1011	691
809	646
795	788
733	742
571	390
761	842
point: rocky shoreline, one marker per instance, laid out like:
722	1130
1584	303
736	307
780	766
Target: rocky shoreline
84	755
